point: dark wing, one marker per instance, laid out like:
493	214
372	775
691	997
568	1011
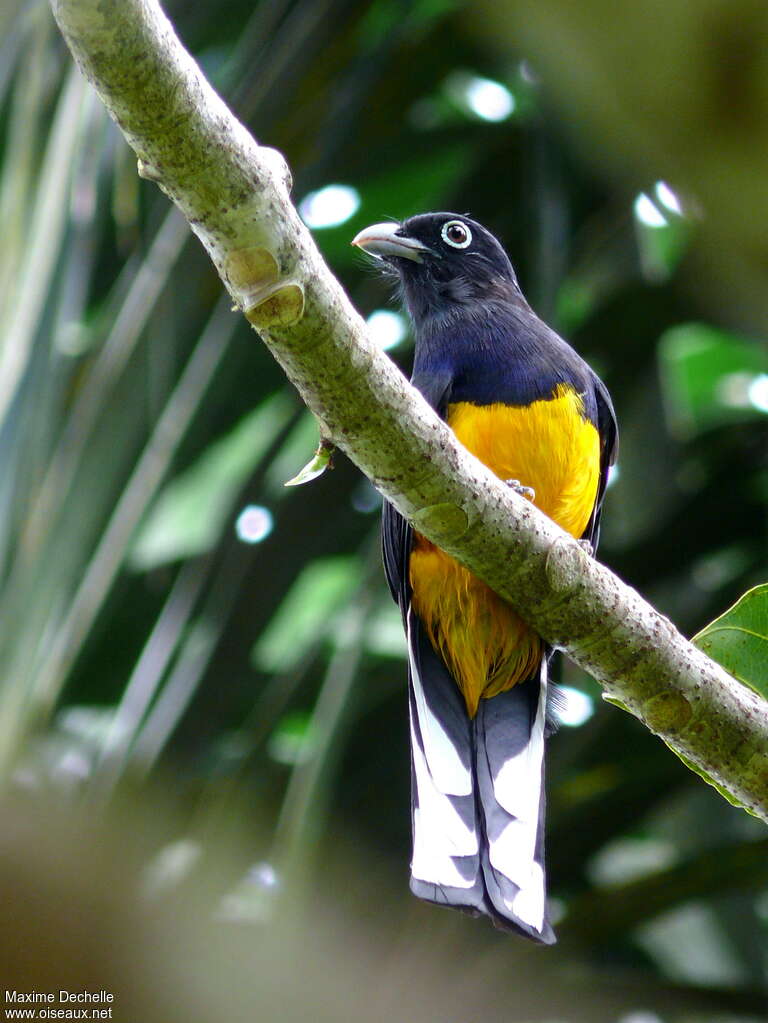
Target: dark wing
608	429
396	532
396	539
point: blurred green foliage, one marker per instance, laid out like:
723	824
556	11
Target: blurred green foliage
257	666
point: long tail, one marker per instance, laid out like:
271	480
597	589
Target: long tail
478	795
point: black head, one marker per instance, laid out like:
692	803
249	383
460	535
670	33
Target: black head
445	262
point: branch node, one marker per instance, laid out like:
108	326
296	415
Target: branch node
667	712
445	523
280	307
277	165
250	270
253	275
564	564
147	170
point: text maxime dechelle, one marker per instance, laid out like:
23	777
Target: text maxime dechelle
58	1004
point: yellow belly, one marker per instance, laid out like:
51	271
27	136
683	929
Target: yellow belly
550	447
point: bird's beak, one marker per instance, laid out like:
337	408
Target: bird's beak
382	240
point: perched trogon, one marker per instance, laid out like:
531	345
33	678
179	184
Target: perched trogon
520	399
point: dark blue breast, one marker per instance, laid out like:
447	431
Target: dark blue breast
503	359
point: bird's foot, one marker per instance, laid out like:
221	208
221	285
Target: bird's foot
523	491
587	547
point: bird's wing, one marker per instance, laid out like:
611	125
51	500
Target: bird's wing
609	448
396	532
396	540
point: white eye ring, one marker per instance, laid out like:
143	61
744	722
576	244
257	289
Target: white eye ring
456	244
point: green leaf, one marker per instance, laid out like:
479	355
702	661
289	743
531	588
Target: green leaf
384	635
293	740
191	510
303	616
616	702
707	376
316	466
661	247
301	438
728	796
738	639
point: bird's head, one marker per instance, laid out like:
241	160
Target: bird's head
445	262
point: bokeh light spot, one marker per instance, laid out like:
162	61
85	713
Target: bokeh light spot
254	523
758	392
490	100
329	206
480	97
387	328
667	198
648	213
263	875
575	707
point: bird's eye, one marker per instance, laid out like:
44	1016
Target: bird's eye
456	234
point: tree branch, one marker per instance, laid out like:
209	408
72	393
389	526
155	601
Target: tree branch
235	195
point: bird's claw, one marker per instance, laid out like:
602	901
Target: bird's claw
523	491
587	547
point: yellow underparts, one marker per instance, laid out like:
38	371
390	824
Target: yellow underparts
548	446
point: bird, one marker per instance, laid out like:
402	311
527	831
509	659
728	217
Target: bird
530	408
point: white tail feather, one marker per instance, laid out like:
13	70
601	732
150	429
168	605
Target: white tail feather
477	794
443	759
439	833
513	818
515	784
